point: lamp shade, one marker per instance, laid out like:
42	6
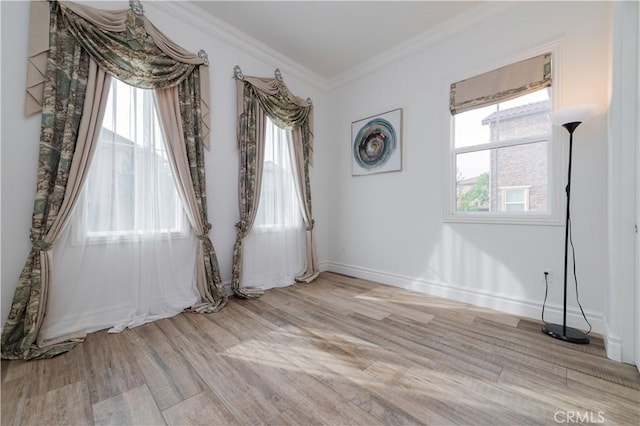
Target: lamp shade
573	114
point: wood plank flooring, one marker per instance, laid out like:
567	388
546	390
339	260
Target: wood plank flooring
341	351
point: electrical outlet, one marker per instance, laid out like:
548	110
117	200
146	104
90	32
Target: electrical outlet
549	275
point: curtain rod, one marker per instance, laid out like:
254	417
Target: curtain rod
205	58
238	75
136	7
138	10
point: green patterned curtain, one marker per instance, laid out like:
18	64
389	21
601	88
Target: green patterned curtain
258	97
64	95
251	145
133	56
214	294
130	54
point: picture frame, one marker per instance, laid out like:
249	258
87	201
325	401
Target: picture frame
376	144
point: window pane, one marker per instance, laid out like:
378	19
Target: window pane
130	188
482	175
522	117
514	195
469	129
521	166
278	207
515	207
473	181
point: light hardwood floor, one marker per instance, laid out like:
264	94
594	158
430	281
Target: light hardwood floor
339	351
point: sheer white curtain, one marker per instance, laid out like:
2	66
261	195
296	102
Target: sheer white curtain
275	249
127	255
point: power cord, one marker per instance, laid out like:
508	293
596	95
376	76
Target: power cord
575	278
546	291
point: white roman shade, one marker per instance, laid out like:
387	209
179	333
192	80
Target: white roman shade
502	84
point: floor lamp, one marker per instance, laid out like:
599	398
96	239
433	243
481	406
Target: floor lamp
569	118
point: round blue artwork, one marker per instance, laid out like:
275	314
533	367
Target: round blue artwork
374	144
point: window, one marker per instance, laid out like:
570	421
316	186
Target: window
275	248
278	207
501	158
499	146
515	199
130	191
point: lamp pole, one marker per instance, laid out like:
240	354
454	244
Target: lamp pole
557	331
571	127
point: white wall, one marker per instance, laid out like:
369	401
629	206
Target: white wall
20	137
624	113
637	315
389	227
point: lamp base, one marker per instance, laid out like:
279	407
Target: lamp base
567	334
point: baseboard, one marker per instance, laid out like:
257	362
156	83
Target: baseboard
500	302
322	266
612	342
227	288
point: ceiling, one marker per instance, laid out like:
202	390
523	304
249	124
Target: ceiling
332	37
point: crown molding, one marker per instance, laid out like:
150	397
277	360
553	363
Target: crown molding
210	24
431	37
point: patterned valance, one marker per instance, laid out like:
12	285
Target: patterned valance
502	84
284	108
124	44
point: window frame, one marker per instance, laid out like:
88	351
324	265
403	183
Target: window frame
556	155
81	233
272	228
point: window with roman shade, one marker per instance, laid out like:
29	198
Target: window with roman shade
501	140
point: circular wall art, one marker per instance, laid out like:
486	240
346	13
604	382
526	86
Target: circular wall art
376	143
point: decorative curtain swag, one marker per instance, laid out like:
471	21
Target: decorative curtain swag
258	98
83	48
125	44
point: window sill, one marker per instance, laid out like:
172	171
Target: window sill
274	229
127	238
503	219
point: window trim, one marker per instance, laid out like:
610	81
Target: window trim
556	152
